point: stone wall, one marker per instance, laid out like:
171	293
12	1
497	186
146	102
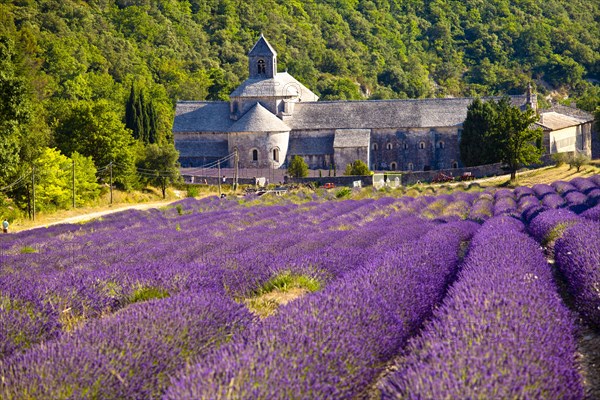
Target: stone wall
264	144
414	149
339	181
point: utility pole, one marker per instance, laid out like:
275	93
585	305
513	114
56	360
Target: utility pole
73	183
33	192
219	176
237	171
111	193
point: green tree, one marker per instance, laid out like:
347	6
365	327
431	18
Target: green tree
15	110
54	180
518	141
94	129
159	166
499	132
478	142
141	116
358	167
297	168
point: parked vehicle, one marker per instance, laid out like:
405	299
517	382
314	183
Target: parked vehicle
329	185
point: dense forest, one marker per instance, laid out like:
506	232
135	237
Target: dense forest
99	78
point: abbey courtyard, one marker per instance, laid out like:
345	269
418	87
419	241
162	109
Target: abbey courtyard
271	117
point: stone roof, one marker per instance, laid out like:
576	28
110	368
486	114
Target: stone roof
202	116
553	120
306	145
262	48
570	111
352	138
259	119
283	85
373	114
201	148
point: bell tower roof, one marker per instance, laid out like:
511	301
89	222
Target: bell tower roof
262	48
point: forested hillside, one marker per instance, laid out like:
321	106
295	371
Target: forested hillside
70	66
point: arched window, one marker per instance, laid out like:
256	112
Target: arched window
276	154
410	166
254	155
405	145
262	69
454	165
375	147
388	146
440	144
421	145
393	166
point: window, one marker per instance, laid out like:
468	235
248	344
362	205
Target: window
393	166
254	155
388	146
276	154
440	144
454	165
375	147
410	166
421	145
262	69
405	146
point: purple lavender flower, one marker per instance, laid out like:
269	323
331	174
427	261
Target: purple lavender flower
577	255
541	190
131	354
333	343
549	225
502	332
592	213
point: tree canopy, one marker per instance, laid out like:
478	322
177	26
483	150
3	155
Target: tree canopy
297	168
496	131
358	167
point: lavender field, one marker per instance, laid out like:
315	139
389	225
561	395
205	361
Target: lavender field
478	294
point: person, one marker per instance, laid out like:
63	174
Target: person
5	226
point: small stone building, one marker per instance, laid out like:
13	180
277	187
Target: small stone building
272	117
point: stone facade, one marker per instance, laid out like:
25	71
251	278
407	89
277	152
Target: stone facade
272	117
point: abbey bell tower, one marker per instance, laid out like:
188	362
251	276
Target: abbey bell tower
263	60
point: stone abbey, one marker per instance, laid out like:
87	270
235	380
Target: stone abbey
272	117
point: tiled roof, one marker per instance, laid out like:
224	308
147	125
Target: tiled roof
202	116
571	112
201	148
553	120
283	85
259	119
306	145
262	48
352	138
418	113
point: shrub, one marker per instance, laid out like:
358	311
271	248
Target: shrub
559	159
298	168
358	167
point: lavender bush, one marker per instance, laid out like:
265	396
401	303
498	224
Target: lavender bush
501	333
549	225
130	355
577	255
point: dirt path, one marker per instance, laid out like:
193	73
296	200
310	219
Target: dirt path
50	220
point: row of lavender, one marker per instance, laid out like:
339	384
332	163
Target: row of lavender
502	332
